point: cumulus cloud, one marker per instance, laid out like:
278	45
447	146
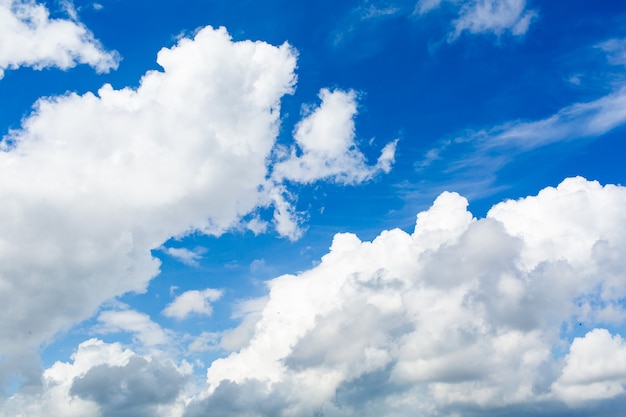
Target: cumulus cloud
147	332
97	181
31	38
595	368
139	388
92	183
103	379
192	302
326	147
485	16
462	312
463	316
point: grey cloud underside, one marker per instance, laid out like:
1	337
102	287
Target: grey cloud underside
133	390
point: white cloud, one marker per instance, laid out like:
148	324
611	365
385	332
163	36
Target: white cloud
485	16
192	302
184	255
105	380
479	155
424	6
147	332
460	313
205	341
615	50
30	38
92	183
576	121
326	147
374	12
595	368
97	181
495	16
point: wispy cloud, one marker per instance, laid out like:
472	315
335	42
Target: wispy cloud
184	255
480	155
484	16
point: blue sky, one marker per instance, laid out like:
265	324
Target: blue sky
292	208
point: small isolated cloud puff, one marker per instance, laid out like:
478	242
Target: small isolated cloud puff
326	147
485	16
192	302
28	37
460	313
146	332
184	255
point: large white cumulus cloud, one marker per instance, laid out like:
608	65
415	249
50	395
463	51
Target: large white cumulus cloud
29	37
460	313
92	183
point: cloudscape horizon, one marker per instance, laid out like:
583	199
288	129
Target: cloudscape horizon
372	208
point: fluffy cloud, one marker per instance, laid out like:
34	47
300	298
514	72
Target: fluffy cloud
326	147
31	38
462	316
192	302
97	181
103	379
486	16
460	313
595	368
147	332
92	183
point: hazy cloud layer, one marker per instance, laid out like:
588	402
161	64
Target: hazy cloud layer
29	37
